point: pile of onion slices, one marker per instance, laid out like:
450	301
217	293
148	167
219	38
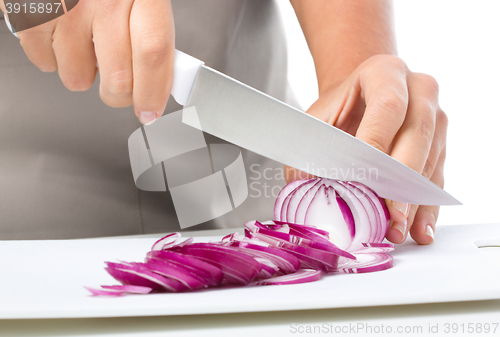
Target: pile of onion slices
321	227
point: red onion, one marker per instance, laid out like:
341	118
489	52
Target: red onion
321	226
119	290
301	276
238	268
349	211
365	263
211	274
138	275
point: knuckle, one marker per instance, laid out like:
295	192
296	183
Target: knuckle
429	82
120	83
153	50
393	61
426	123
442	118
424	131
376	140
392	103
428	169
432	214
397	63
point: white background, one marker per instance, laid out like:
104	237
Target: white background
457	42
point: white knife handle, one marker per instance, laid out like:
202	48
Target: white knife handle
185	70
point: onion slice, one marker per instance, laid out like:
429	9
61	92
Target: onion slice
238	268
365	263
301	276
137	275
212	274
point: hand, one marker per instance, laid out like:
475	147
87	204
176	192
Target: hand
132	41
396	111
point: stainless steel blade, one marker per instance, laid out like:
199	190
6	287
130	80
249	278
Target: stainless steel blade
246	117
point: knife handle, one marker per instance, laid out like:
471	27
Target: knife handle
185	70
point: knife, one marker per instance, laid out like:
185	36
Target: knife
246	117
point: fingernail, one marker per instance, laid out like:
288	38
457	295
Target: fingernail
147	117
401	227
429	232
402	207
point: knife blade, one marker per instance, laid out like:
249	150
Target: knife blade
246	117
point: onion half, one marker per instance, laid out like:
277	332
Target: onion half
350	212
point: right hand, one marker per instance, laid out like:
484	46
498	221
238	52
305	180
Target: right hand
397	111
133	42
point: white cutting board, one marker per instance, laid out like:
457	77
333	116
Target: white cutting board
44	279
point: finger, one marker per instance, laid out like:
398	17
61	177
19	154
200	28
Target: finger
383	84
412	143
74	50
425	220
419	218
37	45
114	52
424	225
398	230
292	174
152	37
438	145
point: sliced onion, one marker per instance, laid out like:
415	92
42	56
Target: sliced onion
305	228
286	262
381	209
283	194
177	273
211	274
129	289
299	193
118	290
105	292
238	268
136	275
376	247
301	276
268	268
321	226
305	201
312	258
365	263
171	240
351	212
285	240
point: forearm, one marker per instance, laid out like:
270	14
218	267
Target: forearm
342	34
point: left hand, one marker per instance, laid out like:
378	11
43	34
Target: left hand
396	111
